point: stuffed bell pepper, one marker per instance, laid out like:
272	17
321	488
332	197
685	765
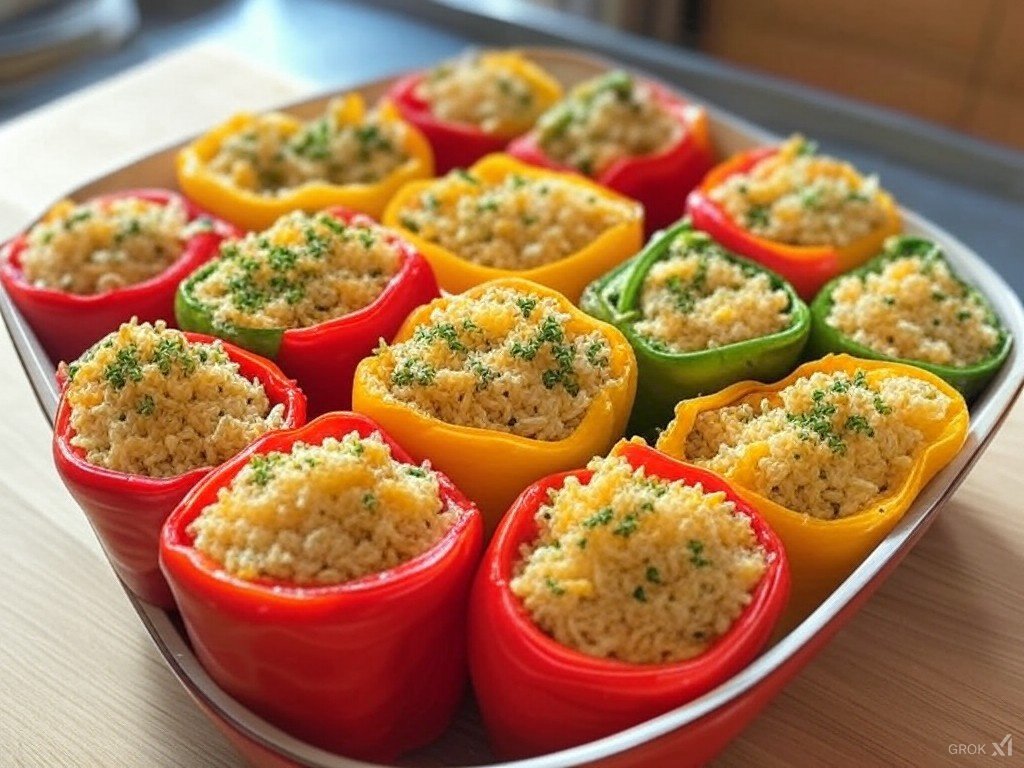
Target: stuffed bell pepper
500	386
503	218
627	134
699	318
804	215
474	105
144	415
86	268
832	456
909	305
613	594
314	293
253	169
323	578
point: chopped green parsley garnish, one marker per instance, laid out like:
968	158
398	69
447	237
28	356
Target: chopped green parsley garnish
627	526
697	558
758	216
262	466
601	517
125	367
413	371
526	305
554	587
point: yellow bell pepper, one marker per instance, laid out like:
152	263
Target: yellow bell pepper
254	211
568	276
492	468
824	552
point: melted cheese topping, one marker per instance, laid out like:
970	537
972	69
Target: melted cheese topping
323	514
146	401
632	567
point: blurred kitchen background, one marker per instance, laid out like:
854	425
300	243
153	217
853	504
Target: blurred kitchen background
958	63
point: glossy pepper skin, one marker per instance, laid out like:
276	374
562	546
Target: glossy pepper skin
970	380
252	210
807	268
323	357
459	145
568	276
369	668
666	377
127	511
537	695
493	467
659	181
824	552
67	323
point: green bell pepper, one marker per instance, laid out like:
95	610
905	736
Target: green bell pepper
969	379
193	315
667	377
321	357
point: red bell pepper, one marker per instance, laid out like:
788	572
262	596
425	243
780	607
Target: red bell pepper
537	695
455	145
459	145
370	668
127	511
807	268
68	323
660	181
323	357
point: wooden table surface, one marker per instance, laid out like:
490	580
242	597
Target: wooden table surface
935	660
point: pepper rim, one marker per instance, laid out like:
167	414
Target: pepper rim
193	163
861	518
795	254
768	597
403	93
279	388
276	336
634	271
687	114
507	165
615	338
821	308
207	575
13	275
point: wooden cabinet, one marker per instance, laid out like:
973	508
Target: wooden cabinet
957	62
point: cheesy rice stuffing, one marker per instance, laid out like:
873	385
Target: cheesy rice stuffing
306	269
480	91
270	156
606	119
146	401
632	567
799	197
915	308
322	514
105	245
697	298
519	222
503	360
829	445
